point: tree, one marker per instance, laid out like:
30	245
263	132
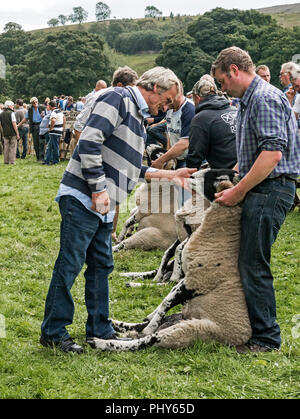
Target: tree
102	11
53	22
181	54
64	61
12	26
152	11
63	19
78	15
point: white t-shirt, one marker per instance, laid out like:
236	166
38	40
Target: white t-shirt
296	107
59	121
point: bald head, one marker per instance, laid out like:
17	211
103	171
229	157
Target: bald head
100	85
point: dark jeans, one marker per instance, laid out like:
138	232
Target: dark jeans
35	131
23	132
264	211
83	239
52	149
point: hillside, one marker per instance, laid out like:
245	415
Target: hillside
284	8
287	15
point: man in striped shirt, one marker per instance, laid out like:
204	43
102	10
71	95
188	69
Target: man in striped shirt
268	151
104	169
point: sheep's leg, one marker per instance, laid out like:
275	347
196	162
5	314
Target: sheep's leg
186	332
129	223
139	275
178	295
124	327
169	253
121	346
177	271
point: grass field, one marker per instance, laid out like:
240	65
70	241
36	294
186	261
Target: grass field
29	231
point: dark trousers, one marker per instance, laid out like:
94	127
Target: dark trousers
38	143
264	211
155	135
23	132
83	239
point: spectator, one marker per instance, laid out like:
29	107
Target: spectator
285	75
293	93
57	123
212	135
34	116
80	104
69	105
263	71
178	118
10	132
124	76
23	129
268	152
44	129
90	187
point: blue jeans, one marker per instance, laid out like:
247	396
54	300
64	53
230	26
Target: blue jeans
264	211
83	239
52	151
23	132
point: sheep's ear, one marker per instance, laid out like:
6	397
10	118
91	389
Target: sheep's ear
224	184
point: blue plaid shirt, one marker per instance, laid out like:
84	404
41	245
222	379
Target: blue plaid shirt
266	121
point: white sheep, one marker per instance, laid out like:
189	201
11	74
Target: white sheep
211	290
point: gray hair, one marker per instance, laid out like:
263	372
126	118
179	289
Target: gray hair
205	86
291	68
163	77
124	75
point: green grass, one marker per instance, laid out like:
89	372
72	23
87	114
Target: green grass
29	231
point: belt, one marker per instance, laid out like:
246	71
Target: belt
283	177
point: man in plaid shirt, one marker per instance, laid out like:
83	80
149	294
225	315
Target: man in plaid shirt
268	150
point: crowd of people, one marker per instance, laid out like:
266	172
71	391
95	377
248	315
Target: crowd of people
248	125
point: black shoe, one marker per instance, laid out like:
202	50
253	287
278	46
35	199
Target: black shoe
67	345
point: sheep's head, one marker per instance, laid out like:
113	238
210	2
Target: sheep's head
210	181
154	151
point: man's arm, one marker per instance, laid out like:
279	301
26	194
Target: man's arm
172	153
263	166
16	130
101	201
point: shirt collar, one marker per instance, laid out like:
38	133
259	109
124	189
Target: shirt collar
247	95
141	101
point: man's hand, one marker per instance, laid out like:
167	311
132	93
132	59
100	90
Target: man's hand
291	93
181	175
101	202
158	164
230	197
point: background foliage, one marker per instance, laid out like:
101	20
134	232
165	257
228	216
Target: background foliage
69	59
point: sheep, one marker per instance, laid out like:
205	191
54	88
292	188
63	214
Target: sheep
214	306
187	219
156	203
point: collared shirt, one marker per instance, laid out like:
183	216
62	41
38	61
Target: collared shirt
109	152
141	102
266	121
36	116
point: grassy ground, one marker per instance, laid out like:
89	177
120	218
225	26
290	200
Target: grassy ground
29	231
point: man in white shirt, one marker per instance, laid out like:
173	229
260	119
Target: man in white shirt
57	123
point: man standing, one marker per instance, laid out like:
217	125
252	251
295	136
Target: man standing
263	71
212	136
10	132
34	116
105	167
23	129
268	152
56	128
179	118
